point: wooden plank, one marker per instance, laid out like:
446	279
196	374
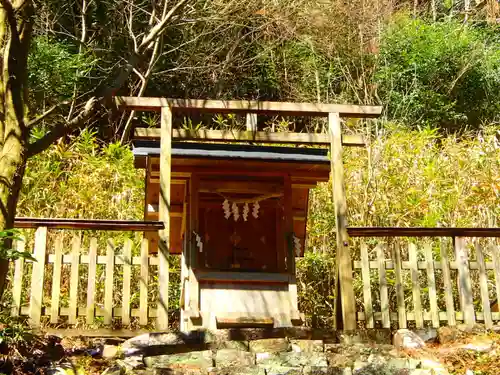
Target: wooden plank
289	250
82	312
127	274
91	281
422	232
427	316
108	284
417	303
73	286
448	288
483	284
100	332
389	265
17	286
367	291
384	294
398	274
37	277
431	283
235	106
56	280
249	277
495	251
143	299
258	187
193	256
464	281
248	136
88	224
244	321
164	215
344	264
73	291
102	259
251	122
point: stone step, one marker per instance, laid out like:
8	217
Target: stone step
284	370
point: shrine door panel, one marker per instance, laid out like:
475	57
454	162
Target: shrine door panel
240	245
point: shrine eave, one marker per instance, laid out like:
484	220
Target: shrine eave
142	149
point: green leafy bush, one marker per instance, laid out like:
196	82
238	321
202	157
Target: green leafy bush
440	74
83	179
54	69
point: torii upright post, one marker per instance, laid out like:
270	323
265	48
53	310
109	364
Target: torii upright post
164	215
343	265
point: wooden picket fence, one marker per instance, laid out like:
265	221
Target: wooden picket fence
426	276
82	279
403	277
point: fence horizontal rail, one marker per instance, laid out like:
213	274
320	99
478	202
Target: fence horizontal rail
89	224
421	265
422	232
443	316
98	312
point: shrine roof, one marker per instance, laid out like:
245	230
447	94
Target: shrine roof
141	149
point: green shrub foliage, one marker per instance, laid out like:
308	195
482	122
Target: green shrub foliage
443	74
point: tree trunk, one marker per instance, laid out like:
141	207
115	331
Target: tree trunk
15	35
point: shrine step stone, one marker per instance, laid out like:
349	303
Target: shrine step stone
252	353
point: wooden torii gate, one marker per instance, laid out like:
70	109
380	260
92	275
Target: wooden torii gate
345	301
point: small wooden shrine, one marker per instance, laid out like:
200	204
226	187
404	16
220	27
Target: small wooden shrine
236	211
245	208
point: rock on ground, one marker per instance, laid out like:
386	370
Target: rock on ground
406	339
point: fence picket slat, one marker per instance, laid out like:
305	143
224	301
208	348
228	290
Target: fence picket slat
384	296
143	302
17	286
73	286
417	303
108	284
495	250
91	281
127	273
483	284
448	289
400	295
464	281
431	282
56	280
37	277
367	292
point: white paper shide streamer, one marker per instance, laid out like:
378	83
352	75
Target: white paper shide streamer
236	212
199	244
297	245
225	207
255	211
246	210
233	209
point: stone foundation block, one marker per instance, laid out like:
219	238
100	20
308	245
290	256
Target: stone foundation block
281	370
315	370
307	346
372	336
251	370
234	358
270	346
293	359
190	361
339	360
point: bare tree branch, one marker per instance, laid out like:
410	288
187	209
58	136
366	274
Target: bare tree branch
150	41
157	30
62	129
48	112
